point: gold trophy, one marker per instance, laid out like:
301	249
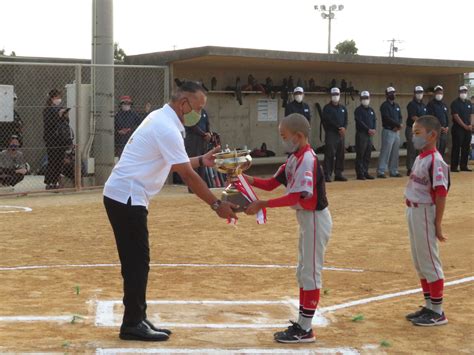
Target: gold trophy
233	163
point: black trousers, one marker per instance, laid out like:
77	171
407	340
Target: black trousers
55	164
411	151
363	153
442	143
10	179
131	236
334	149
461	143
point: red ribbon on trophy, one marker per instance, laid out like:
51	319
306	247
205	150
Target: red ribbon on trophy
242	185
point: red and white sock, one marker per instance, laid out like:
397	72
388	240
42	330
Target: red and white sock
310	303
436	295
426	292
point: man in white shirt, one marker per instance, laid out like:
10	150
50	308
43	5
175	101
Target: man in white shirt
154	149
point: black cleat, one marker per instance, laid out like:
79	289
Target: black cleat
381	176
360	177
465	169
328	179
397	175
141	331
295	334
369	177
160	330
419	313
430	319
454	170
340	178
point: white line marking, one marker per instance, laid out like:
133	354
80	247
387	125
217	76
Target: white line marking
313	351
250	266
14	209
387	296
60	319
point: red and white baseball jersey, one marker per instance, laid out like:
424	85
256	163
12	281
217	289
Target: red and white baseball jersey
429	174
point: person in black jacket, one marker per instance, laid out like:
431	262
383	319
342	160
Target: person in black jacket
126	122
365	119
53	115
461	110
392	124
436	107
415	109
335	124
297	105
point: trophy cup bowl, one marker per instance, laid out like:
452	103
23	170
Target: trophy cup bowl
233	163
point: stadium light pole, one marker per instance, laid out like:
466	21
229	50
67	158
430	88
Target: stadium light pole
327	13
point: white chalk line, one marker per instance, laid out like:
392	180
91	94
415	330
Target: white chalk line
211	351
14	209
249	266
59	319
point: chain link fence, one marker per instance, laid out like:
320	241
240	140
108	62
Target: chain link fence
63	126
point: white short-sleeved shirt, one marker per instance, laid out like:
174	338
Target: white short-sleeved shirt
428	172
146	161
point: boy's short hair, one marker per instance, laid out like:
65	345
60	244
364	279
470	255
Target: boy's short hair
296	123
430	123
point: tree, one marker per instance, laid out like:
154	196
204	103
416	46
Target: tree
346	47
119	53
12	54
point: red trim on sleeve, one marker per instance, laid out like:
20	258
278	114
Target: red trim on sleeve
285	201
441	191
266	184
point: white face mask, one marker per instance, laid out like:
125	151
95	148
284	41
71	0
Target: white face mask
365	102
419	96
439	97
299	98
125	107
463	96
57	102
289	146
335	98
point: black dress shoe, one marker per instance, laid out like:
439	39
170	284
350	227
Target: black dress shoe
381	176
340	178
369	177
360	177
454	170
141	331
160	330
465	169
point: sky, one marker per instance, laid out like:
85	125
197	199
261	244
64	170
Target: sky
436	29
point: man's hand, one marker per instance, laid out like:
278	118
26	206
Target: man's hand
372	132
255	206
439	234
342	131
445	130
469	128
209	158
21	171
147	107
61	112
225	210
124	131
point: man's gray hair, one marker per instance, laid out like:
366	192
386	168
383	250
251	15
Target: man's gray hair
187	87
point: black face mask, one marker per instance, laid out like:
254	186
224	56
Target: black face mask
13	147
391	96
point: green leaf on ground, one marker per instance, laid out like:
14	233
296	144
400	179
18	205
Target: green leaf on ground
78	289
358	318
385	343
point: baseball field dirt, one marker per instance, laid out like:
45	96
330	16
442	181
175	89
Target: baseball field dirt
59	270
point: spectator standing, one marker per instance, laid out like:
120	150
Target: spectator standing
126	122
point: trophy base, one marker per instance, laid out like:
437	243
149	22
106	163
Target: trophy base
234	196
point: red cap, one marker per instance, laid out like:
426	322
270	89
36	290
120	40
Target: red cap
125	98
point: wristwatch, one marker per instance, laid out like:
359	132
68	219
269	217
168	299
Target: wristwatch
216	205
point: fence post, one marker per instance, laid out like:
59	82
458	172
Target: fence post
77	147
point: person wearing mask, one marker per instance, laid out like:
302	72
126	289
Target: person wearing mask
297	105
13	167
365	120
392	123
126	121
461	110
53	115
436	107
13	128
415	108
197	139
335	124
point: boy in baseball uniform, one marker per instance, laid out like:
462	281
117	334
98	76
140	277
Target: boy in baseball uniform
305	192
425	195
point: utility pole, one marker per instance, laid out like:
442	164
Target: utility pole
327	13
393	49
